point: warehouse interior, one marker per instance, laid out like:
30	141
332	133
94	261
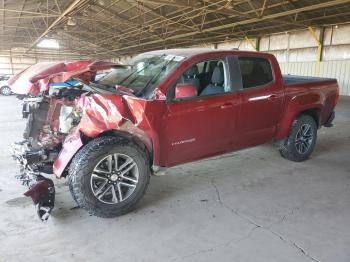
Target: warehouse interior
250	205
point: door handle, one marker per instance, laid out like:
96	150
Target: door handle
226	105
273	96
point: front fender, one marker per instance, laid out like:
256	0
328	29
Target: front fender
70	147
102	114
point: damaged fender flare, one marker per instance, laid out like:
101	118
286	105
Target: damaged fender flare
70	147
73	143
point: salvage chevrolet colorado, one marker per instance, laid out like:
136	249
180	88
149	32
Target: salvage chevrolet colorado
162	109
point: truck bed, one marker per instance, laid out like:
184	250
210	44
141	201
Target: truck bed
295	79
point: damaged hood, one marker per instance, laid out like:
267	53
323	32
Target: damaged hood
36	78
101	113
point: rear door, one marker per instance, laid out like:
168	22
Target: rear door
201	126
262	98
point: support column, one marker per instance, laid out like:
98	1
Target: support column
319	41
258	43
11	62
251	43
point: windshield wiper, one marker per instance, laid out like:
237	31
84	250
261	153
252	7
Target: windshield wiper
137	71
154	76
95	86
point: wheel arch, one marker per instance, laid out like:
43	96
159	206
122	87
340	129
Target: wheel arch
143	142
287	121
313	112
78	140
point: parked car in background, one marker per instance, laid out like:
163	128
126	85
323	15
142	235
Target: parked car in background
5	90
166	108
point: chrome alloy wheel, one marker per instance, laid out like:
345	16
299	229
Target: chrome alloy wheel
304	138
114	178
6	91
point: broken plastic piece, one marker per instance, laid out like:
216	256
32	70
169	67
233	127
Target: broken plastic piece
43	196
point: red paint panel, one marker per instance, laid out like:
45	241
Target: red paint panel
199	128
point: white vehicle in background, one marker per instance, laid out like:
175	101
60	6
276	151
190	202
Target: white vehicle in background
5	90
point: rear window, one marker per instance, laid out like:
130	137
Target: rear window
255	71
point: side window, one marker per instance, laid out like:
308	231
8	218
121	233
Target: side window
255	71
210	77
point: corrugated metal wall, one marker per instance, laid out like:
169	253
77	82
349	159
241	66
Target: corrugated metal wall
296	52
339	69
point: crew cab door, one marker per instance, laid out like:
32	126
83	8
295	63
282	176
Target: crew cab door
203	125
262	99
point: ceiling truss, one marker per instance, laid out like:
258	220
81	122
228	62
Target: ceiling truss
111	28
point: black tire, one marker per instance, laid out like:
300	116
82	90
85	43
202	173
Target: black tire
70	185
83	164
288	146
5	91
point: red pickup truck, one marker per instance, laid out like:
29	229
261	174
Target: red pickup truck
163	109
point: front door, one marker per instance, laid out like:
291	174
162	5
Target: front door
204	125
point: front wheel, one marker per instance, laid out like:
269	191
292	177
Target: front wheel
108	176
5	91
301	140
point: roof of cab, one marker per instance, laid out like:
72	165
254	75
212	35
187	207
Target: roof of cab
189	52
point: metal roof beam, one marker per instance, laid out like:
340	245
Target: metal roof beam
243	22
57	21
27	12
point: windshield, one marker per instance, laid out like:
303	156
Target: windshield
144	73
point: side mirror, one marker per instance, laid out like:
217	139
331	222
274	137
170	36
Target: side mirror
185	90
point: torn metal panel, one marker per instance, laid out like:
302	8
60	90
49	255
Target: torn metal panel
101	114
70	146
35	79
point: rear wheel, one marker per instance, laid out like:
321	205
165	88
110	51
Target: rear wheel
5	90
301	141
109	176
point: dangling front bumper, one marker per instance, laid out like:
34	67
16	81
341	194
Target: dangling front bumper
41	189
42	193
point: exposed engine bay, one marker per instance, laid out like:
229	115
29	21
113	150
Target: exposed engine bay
50	116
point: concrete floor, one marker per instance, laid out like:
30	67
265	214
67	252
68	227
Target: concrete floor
251	205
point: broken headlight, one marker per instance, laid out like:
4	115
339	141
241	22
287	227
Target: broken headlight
69	117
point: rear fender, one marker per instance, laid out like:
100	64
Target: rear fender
295	107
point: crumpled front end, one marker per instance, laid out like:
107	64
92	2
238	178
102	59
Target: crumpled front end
60	124
100	114
49	120
50	112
